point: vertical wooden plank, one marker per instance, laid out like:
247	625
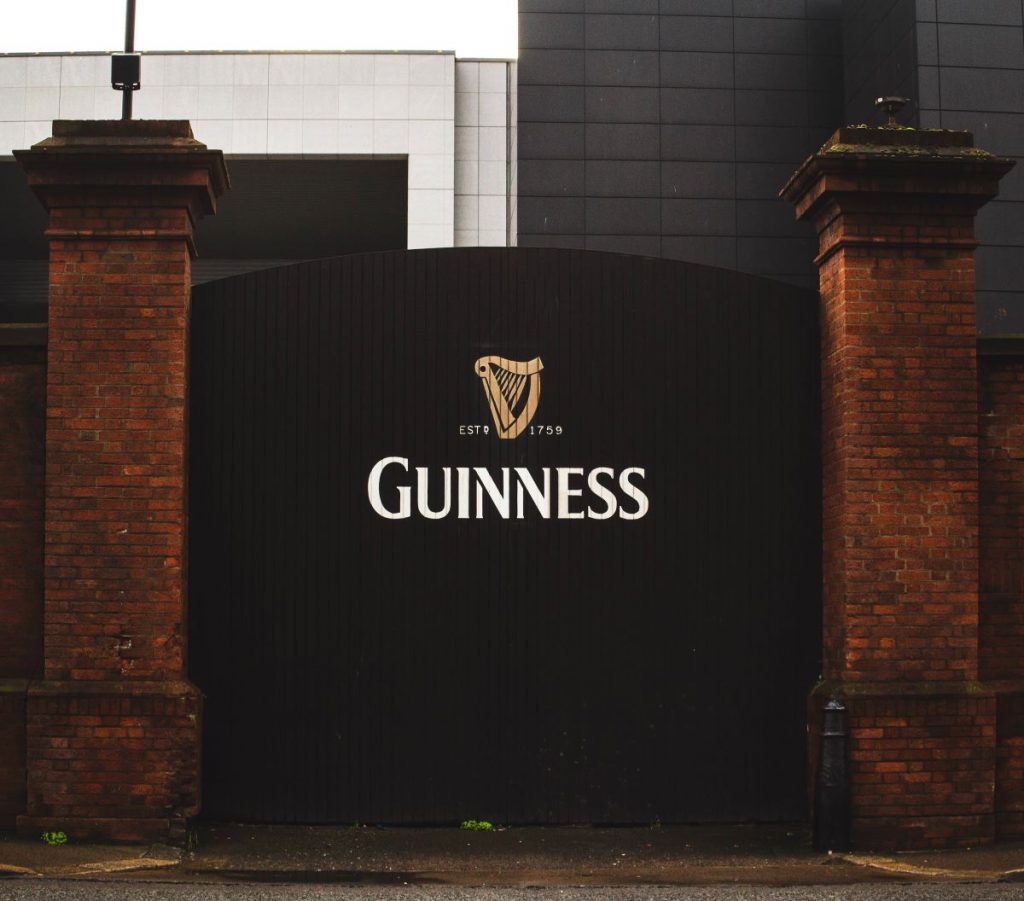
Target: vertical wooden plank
549	671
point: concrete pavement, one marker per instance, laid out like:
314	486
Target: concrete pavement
517	857
71	890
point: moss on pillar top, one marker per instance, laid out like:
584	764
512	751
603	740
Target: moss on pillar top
902	141
895	160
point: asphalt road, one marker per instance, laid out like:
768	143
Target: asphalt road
71	890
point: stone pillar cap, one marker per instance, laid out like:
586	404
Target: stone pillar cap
123	153
896	159
161	130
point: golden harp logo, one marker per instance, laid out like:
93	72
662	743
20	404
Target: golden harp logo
512	390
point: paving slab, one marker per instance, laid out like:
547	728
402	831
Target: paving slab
24	857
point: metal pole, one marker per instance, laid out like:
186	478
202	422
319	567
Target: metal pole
129	47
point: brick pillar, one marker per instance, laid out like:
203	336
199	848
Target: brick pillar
113	727
894	209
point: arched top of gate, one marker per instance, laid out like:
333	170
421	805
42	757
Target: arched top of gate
538	263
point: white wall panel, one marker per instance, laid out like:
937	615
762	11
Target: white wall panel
426	106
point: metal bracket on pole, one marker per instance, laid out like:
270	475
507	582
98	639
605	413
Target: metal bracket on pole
125	68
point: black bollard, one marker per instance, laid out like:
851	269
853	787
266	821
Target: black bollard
832	787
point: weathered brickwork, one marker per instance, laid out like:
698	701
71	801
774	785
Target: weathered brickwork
113	727
114	763
116	457
923	770
900	464
894	211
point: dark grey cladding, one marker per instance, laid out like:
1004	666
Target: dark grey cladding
984	46
551	30
707	34
551	103
617	178
613	32
698	179
962	64
550	141
707	143
552	178
666	127
985	12
711	106
623	105
622	142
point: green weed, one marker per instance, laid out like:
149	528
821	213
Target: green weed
477	825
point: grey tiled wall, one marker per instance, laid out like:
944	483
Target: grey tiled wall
962	63
666	127
879	57
970	57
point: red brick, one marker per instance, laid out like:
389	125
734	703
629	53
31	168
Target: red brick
122	199
900	480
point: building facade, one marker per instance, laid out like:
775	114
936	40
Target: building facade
333	152
651	128
666	127
638	126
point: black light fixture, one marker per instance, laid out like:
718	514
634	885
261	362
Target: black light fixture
126	68
892	107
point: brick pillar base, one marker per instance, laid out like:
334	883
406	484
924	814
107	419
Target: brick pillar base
113	762
923	764
113	729
894	209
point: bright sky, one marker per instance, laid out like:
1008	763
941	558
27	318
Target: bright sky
482	28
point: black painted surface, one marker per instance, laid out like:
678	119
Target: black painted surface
358	669
24	219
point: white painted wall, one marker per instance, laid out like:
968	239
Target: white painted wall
450	118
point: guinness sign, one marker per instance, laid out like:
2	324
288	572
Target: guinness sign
512	492
513	393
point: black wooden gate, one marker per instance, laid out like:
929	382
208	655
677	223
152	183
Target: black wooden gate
638	667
